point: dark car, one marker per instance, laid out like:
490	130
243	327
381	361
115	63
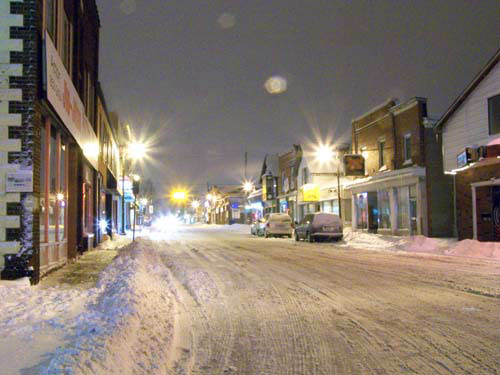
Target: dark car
319	226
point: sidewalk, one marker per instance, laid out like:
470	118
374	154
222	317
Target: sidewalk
84	272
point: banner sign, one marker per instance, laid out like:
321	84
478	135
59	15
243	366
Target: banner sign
67	103
354	165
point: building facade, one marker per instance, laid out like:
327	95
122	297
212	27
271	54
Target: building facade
321	186
403	190
289	163
470	130
48	115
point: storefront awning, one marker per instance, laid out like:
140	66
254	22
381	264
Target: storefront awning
384	180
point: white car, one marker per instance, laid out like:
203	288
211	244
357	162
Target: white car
276	225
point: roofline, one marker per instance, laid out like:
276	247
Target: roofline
376	108
468	90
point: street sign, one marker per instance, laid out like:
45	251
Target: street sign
354	165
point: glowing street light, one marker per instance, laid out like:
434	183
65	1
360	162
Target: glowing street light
195	204
136	150
324	154
248	187
144	201
179	195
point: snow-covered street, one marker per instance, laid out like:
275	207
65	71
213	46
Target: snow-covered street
216	300
273	306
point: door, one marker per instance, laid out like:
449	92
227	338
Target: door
487	211
496	212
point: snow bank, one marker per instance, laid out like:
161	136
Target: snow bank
422	244
122	326
475	249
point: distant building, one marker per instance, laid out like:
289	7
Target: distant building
403	190
289	163
470	131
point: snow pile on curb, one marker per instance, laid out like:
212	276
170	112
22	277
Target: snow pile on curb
422	244
122	326
475	249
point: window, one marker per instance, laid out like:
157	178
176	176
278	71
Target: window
384	209
292	178
305	176
407	148
381	147
403	206
61	196
283	182
51	8
43	172
53	185
88	97
494	114
67	37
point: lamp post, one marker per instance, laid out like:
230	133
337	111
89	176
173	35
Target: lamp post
134	151
324	154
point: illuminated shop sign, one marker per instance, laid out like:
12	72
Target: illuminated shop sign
310	193
64	98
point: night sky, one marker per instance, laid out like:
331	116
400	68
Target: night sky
190	75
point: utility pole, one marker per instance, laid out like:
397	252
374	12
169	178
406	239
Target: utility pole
246	163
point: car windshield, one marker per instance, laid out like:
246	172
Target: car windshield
326	219
280	218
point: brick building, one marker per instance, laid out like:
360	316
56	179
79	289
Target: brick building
49	72
470	131
404	190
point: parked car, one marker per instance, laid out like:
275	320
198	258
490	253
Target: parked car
319	226
276	225
254	227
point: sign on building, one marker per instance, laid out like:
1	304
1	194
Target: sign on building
268	188
310	193
19	182
63	96
354	165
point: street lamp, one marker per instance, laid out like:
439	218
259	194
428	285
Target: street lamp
248	187
325	154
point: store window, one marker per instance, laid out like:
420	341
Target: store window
62	193
53	185
494	114
43	178
362	210
403	206
384	209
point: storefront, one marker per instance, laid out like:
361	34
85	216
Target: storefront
390	203
478	198
68	164
53	195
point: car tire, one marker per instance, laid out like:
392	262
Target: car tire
310	238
